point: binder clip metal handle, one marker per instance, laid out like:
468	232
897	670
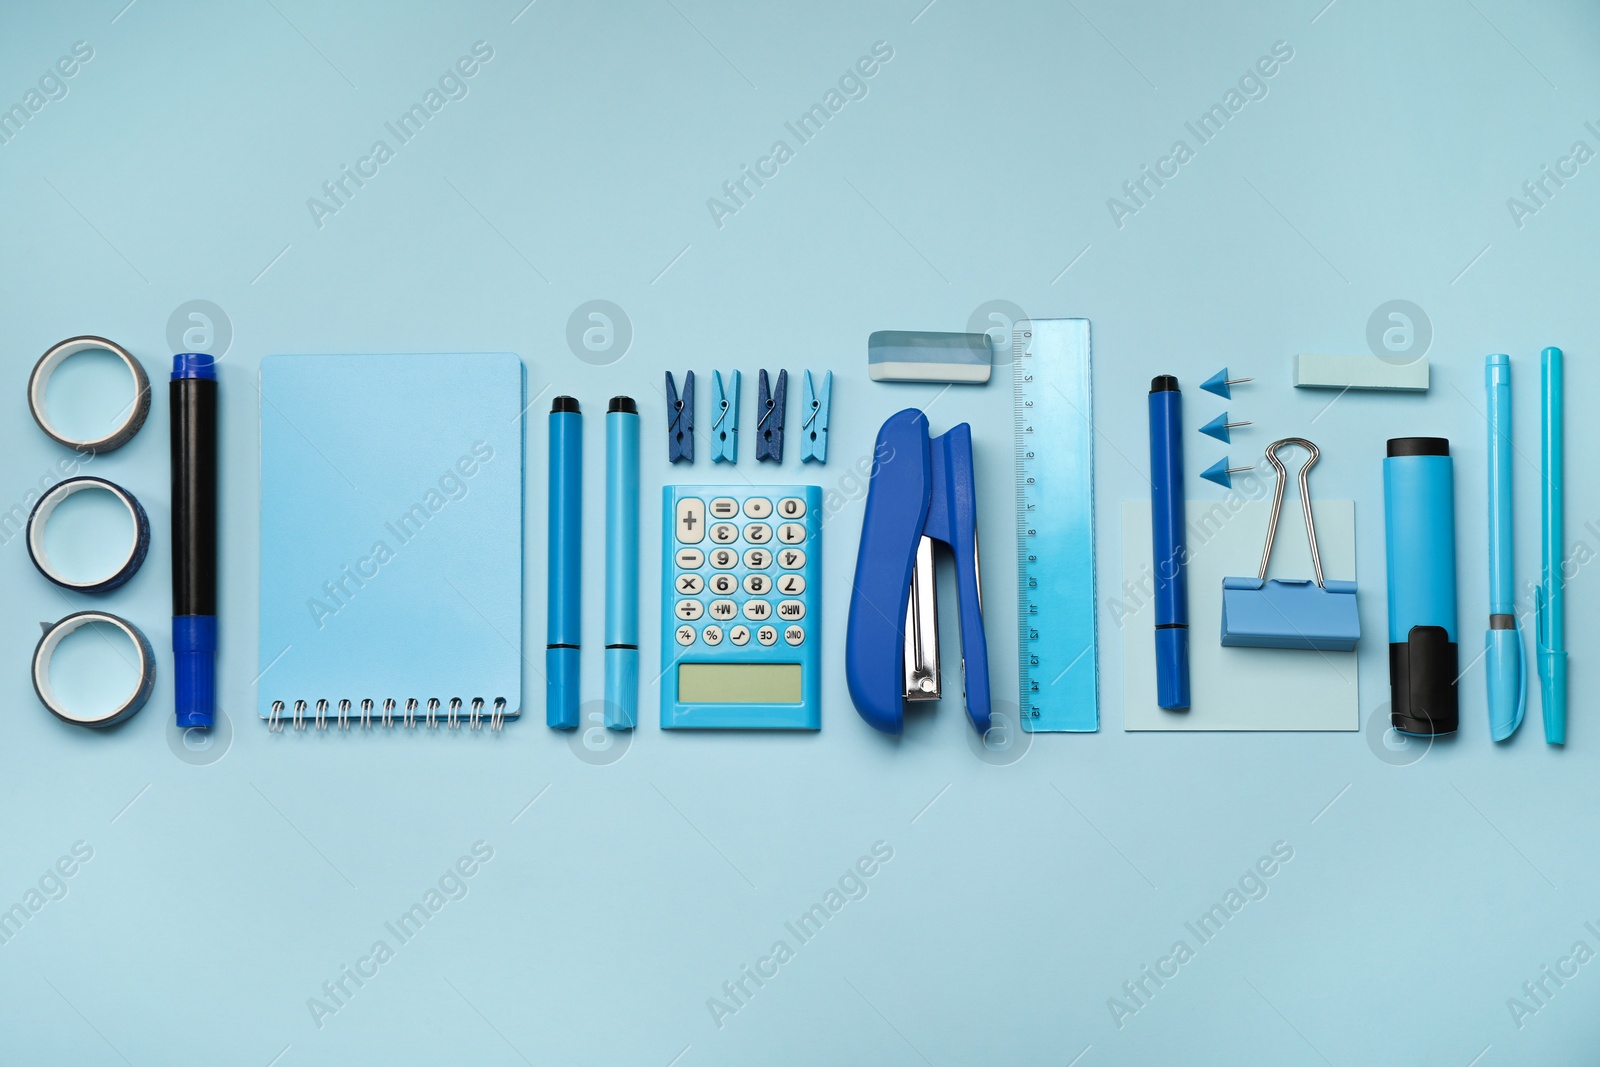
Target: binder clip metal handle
1290	612
1305	503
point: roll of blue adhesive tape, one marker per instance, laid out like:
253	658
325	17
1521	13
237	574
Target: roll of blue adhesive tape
137	409
55	633
40	518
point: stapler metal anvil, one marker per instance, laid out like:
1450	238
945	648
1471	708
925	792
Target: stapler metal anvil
922	491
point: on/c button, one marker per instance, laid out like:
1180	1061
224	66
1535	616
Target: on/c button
691	520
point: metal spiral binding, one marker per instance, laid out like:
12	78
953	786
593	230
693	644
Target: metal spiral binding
279	716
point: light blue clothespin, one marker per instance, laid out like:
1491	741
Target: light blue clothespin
814	431
724	420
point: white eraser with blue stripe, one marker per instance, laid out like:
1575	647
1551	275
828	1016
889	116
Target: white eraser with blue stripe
910	356
1360	372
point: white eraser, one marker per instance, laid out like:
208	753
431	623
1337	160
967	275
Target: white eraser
1360	372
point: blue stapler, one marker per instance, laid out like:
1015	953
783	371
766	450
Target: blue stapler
921	491
1264	612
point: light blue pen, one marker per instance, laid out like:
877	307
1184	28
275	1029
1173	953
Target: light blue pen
622	563
1505	660
1548	599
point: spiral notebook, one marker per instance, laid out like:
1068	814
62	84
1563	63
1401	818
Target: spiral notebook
391	540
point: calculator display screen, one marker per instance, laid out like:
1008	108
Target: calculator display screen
739	683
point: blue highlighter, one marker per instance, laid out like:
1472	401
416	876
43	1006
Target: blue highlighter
565	619
1420	538
622	564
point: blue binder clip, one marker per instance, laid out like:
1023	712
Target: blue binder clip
923	492
1290	612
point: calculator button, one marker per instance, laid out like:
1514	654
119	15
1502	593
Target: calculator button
791	533
756	610
791	507
791	584
739	635
689	558
724	533
791	559
691	520
686	635
712	635
757	584
767	635
795	635
757	507
690	610
724	507
724	558
757	559
724	609
792	610
758	533
724	584
690	584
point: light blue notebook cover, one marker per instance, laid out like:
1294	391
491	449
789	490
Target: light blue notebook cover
391	533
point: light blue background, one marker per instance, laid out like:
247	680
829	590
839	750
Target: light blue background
1019	897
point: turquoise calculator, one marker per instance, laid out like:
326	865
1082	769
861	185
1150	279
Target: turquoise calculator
740	618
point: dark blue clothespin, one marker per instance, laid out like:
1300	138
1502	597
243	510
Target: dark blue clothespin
814	431
724	419
769	428
680	419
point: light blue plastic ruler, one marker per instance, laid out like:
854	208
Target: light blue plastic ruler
1054	410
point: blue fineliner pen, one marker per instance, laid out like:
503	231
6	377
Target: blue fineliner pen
1505	665
565	617
1169	542
622	563
193	395
1551	594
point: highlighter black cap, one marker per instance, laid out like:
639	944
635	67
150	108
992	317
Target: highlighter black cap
1423	698
564	405
623	404
1164	383
1418	446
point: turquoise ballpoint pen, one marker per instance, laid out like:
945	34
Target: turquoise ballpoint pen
1505	662
1549	596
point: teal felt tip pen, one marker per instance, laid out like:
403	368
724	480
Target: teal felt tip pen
1551	594
622	564
561	659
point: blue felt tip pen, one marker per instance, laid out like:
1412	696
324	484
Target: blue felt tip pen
1551	594
622	563
193	395
565	619
1505	666
1169	543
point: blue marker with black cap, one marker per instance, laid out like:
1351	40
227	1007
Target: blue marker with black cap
561	658
193	395
1167	537
622	564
